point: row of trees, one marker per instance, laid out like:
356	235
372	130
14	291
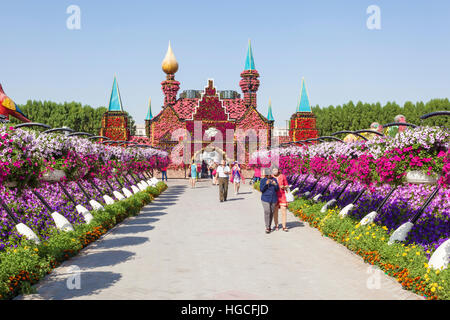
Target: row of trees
68	114
352	116
330	119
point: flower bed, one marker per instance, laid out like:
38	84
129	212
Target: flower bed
378	165
407	263
25	155
26	263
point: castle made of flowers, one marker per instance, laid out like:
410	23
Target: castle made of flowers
218	112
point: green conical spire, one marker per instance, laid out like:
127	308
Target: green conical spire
115	102
269	114
304	105
149	113
249	62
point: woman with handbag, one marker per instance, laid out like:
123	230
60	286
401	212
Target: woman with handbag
282	202
236	177
269	197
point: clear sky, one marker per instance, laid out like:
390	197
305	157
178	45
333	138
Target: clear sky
325	41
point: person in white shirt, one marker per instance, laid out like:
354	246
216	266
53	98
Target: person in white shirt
222	173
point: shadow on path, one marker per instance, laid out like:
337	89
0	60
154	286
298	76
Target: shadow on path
139	221
294	224
90	283
132	229
120	242
235	199
103	259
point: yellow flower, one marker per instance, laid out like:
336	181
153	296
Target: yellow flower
428	251
437	271
418	253
404	254
36	249
433	289
382	239
384	228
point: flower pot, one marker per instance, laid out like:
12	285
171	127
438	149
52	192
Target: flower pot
11	184
418	177
53	176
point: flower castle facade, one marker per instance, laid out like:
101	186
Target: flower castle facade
302	124
201	120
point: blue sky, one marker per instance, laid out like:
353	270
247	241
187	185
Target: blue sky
327	42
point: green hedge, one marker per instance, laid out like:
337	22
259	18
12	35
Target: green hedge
26	264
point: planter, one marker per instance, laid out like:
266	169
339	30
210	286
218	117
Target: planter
418	177
53	176
11	184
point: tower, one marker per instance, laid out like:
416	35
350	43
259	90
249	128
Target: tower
170	87
269	113
303	121
148	118
249	79
115	120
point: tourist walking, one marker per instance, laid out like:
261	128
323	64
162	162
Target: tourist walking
214	174
164	173
211	170
236	177
193	178
269	197
257	174
222	173
282	202
199	170
204	169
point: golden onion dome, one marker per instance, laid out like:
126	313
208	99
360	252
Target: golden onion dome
170	64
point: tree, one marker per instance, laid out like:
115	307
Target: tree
360	116
68	114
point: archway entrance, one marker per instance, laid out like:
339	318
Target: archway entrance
210	154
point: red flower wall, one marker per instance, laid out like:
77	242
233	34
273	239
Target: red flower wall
167	122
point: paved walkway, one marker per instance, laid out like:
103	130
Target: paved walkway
188	245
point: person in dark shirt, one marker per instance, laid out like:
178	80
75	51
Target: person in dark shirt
269	198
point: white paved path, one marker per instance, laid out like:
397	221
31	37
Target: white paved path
188	245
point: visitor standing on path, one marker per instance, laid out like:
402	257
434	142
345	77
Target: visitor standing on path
164	173
282	202
193	179
236	177
269	197
222	173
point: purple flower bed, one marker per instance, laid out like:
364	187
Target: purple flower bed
27	208
432	228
